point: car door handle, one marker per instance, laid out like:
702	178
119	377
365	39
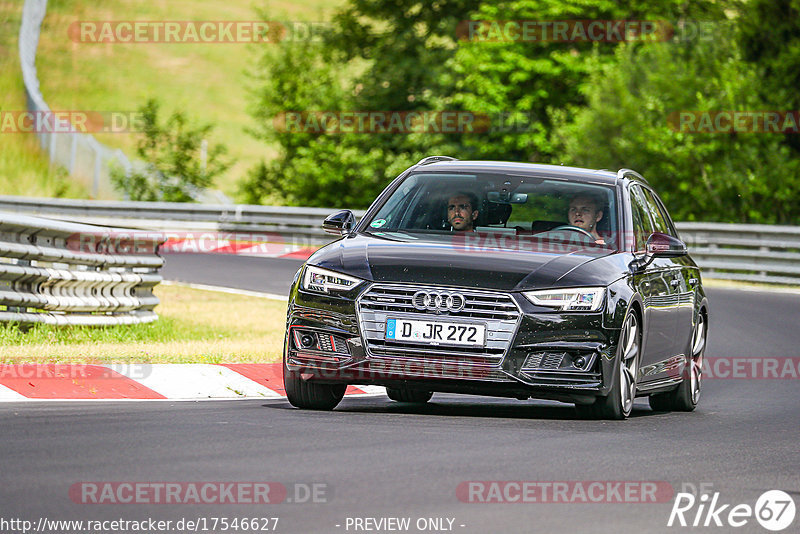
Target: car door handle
675	282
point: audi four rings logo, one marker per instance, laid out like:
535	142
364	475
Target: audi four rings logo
439	302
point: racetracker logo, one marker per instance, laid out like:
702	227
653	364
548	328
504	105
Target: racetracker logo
149	242
552	242
563	31
748	368
491	240
590	31
392	122
391	369
403	122
568	491
121	492
728	122
73	371
195	31
71	121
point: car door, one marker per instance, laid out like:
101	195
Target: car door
684	278
654	284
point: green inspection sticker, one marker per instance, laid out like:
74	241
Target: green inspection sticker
377	223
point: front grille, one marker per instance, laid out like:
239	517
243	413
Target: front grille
479	305
497	311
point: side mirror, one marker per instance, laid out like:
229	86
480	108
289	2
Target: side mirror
659	245
339	223
665	246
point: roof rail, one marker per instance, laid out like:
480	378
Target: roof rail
622	172
433	159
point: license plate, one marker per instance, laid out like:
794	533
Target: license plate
436	332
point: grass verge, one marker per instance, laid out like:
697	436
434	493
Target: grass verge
194	326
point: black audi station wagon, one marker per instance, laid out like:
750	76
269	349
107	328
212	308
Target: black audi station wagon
503	279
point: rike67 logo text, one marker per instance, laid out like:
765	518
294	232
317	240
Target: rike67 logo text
774	510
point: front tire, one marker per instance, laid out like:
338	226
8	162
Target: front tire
414	396
311	395
618	404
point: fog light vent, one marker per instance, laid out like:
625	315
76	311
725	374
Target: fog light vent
544	360
320	341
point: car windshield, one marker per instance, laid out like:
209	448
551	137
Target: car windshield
529	208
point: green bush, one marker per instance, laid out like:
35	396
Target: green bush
172	152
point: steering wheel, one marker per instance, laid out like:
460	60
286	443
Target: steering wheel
573	228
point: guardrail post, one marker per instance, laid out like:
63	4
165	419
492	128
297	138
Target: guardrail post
712	249
73	152
96	179
52	146
19	309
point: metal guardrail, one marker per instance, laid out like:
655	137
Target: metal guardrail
746	252
756	253
301	225
61	273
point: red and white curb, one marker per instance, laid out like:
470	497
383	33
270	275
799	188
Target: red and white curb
26	382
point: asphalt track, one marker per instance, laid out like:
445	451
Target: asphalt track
380	459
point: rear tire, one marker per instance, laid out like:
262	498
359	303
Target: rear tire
311	395
414	396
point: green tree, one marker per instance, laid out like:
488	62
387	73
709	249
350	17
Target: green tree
382	56
402	55
596	104
532	80
174	167
769	38
630	121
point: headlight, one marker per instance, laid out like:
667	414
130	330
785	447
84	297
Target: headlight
579	299
325	281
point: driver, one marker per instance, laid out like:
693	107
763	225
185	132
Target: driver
585	212
462	210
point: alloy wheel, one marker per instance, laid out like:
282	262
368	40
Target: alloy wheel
696	361
628	363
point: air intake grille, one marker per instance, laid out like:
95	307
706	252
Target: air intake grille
544	360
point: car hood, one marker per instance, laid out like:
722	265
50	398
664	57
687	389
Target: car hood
442	260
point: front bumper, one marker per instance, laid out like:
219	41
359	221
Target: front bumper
529	352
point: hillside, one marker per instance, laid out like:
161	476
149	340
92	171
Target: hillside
24	170
207	81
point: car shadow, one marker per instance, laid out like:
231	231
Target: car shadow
490	408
